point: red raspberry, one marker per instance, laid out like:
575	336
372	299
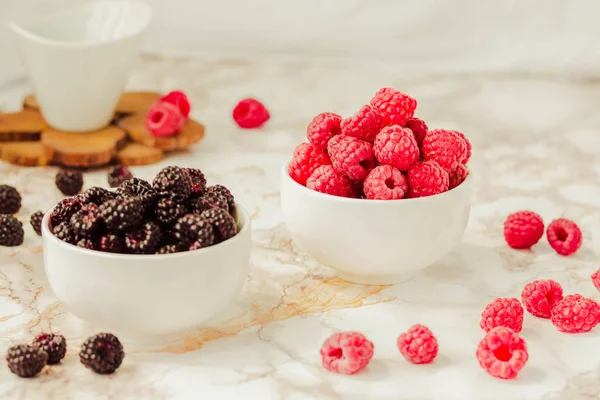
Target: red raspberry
164	119
322	128
394	106
564	236
444	147
363	125
458	176
306	159
468	144
540	297
250	113
502	353
396	146
385	183
596	279
326	179
346	353
418	345
523	229
575	314
179	99
351	157
506	312
418	127
426	179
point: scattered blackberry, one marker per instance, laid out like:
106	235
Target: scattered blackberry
209	200
168	210
102	353
140	189
96	195
168	249
26	360
222	222
173	182
223	191
198	180
64	232
86	221
110	243
11	231
54	345
69	181
122	213
144	240
10	200
86	243
117	175
63	211
36	222
194	228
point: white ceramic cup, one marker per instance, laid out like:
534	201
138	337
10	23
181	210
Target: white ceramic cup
79	58
374	241
148	298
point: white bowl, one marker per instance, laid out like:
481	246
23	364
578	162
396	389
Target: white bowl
79	56
147	298
374	241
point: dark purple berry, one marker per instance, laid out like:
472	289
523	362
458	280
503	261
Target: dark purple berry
210	200
63	211
86	243
10	200
169	210
69	181
145	240
222	222
11	231
117	175
25	360
96	195
122	213
110	243
86	221
102	353
64	232
198	181
173	182
54	345
140	189
194	228
36	222
226	193
168	249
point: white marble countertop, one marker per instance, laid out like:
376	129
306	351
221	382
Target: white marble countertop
535	141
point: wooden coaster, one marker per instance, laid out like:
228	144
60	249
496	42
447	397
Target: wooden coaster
85	149
21	126
30	154
30	103
136	102
192	132
138	154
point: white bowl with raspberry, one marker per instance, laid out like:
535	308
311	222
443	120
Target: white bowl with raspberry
148	298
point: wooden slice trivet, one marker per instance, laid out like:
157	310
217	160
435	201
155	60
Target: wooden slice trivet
136	102
30	154
138	154
192	132
30	103
85	149
21	126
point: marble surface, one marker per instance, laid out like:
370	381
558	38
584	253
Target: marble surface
535	141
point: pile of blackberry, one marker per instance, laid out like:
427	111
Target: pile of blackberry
175	212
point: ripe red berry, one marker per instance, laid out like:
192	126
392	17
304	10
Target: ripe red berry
322	128
468	144
385	183
178	99
351	157
564	236
427	178
506	312
575	314
445	147
306	159
346	353
458	176
502	353
418	345
523	229
540	297
363	125
326	179
396	146
596	279
394	106
419	129
164	119
250	113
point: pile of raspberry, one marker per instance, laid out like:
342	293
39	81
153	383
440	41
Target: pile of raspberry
380	153
175	212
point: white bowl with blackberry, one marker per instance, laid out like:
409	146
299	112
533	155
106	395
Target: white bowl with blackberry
148	260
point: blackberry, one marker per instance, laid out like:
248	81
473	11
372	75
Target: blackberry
207	201
198	180
110	243
194	228
96	195
117	175
222	222
140	189
63	211
11	231
168	210
223	191
69	181
64	232
122	213
168	249
86	221
173	182
102	353
86	243
36	222
10	200
26	360
144	240
54	345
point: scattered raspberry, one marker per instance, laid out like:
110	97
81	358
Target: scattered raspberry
122	213
306	159
326	179
250	113
385	183
427	178
418	345
36	222
506	312
180	100
444	147
63	211
351	157
575	314
10	200
69	181
86	221
502	353
144	240
458	176
222	222
322	128
346	353
540	297
117	175
11	231
164	119
394	106
198	180
139	189
419	129
396	146
110	243
54	345
102	353
226	194
173	182
468	148
25	360
64	232
564	236
363	125
523	229
169	210
596	279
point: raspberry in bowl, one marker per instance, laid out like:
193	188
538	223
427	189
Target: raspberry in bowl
148	260
377	206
